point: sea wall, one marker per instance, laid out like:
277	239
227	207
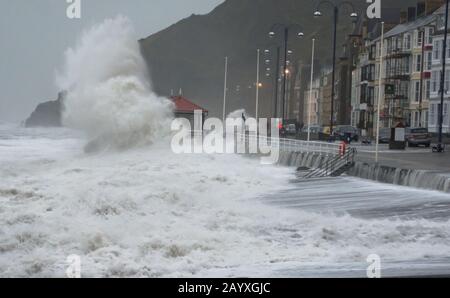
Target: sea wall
303	159
431	180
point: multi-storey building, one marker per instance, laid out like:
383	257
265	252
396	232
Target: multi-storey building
311	103
436	70
363	78
365	74
406	77
320	104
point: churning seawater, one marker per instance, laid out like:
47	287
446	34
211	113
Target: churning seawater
149	212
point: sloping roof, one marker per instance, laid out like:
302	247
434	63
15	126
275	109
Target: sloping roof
401	28
440	10
183	105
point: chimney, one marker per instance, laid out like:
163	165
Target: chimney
432	5
411	14
403	16
420	9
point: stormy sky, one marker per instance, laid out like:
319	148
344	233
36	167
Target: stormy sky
35	34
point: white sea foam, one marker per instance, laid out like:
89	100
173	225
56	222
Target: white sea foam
108	91
237	114
153	213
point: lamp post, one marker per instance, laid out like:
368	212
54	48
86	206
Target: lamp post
311	89
257	83
225	90
380	90
336	5
440	146
267	52
286	30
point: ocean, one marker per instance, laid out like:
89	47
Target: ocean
147	212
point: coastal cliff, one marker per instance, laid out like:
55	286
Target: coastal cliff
47	114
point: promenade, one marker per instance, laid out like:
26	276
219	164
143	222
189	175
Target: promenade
412	158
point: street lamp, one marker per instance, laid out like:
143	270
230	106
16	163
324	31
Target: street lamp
286	30
276	62
336	5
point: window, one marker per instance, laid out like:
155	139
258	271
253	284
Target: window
427	87
447	81
407	41
407	65
372	51
419	38
370	94
429	60
417	91
398	43
426	119
363	98
418	63
416	119
430	35
434	81
436	49
445	112
448	48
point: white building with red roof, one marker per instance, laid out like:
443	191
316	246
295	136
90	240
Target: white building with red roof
185	108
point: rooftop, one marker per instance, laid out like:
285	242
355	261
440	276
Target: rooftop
183	105
406	27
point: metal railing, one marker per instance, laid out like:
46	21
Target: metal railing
334	167
293	145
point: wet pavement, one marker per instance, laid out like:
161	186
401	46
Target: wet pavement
412	158
372	202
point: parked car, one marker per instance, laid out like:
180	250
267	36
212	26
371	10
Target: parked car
418	136
385	135
291	129
313	129
346	133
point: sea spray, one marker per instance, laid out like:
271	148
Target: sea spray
238	114
108	91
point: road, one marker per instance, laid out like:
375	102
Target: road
411	158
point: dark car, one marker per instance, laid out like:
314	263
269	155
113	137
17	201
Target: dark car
418	136
346	133
385	135
291	129
314	129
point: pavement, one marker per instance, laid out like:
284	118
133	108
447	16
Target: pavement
419	158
